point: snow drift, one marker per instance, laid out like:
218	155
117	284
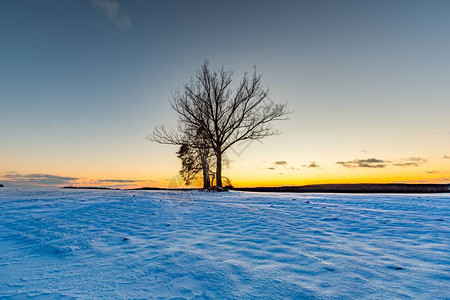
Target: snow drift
160	244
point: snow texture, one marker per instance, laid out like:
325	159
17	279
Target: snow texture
87	244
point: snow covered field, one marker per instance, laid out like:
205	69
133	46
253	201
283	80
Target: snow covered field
148	244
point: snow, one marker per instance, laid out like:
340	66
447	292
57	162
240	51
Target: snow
87	244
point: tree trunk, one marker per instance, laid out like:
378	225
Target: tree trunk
219	169
205	166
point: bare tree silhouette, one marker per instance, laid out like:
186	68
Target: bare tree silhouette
224	116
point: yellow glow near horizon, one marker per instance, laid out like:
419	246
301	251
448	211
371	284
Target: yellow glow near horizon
243	171
288	177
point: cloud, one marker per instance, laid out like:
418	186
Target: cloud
270	168
410	162
39	179
364	163
407	164
111	9
281	163
380	163
447	157
313	165
433	172
123	180
115	183
16	179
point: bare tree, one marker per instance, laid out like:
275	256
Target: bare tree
213	115
226	115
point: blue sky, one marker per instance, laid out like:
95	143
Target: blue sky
83	82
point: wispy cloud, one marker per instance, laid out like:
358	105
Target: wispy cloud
36	179
281	163
433	172
410	162
122	181
364	163
381	163
313	165
40	179
111	9
446	156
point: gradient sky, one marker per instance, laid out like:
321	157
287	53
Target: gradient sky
83	82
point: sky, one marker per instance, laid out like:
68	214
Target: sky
82	83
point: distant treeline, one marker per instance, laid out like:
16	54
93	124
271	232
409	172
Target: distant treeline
355	188
1	185
89	188
400	188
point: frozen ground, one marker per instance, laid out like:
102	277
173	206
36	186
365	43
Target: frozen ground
144	244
